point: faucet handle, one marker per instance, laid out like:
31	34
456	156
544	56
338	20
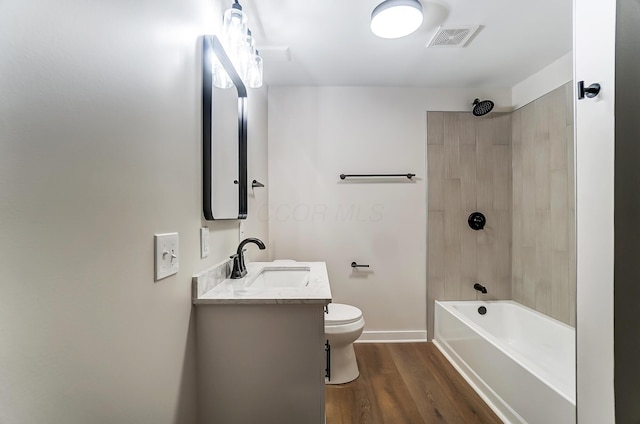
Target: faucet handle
237	271
235	255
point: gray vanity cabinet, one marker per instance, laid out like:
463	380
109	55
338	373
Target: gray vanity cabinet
261	363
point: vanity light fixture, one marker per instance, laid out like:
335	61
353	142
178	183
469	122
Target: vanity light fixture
396	18
239	45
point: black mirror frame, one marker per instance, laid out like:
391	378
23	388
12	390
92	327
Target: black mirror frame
211	46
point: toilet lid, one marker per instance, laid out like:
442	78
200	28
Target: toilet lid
342	314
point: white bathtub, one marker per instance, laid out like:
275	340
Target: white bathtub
521	362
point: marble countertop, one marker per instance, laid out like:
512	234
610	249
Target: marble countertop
212	286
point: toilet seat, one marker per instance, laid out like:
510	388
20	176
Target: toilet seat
340	314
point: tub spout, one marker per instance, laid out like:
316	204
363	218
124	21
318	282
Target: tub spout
480	288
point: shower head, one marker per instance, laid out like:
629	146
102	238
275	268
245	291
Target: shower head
481	108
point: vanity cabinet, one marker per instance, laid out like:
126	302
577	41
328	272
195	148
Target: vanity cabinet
261	363
260	345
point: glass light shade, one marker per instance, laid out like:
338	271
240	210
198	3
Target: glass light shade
255	75
246	55
239	45
234	22
234	28
396	18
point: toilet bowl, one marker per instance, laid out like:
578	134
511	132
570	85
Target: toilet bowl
343	324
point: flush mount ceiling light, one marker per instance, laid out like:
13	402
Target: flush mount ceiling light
396	18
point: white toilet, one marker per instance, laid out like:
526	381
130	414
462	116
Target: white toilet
343	324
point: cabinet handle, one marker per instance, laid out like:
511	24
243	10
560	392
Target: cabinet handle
327	349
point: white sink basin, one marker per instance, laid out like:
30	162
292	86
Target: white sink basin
280	277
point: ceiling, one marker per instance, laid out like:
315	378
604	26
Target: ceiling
328	43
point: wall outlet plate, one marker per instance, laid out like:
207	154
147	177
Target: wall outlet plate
241	230
204	242
166	255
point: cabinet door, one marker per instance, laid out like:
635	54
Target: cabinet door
261	363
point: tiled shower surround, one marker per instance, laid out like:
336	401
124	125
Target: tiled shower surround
517	169
543	245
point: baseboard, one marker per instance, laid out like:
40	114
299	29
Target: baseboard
392	337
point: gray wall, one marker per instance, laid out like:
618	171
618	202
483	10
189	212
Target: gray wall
544	254
627	211
469	169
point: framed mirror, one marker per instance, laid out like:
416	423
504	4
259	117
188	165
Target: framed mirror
224	135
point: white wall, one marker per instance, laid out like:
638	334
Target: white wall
594	47
100	148
317	133
257	223
544	81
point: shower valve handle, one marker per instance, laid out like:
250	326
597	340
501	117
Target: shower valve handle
592	91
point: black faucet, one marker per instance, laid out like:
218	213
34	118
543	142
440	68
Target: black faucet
239	268
480	288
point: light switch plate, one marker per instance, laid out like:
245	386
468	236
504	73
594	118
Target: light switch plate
166	255
204	242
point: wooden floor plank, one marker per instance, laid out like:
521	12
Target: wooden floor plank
390	395
408	383
470	406
349	403
434	405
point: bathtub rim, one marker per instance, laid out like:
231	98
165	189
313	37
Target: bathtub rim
511	302
493	340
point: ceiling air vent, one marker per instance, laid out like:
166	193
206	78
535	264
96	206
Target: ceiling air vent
453	37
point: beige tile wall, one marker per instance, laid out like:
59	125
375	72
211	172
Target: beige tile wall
543	247
518	169
469	169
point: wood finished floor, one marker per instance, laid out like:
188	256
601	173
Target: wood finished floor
405	383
